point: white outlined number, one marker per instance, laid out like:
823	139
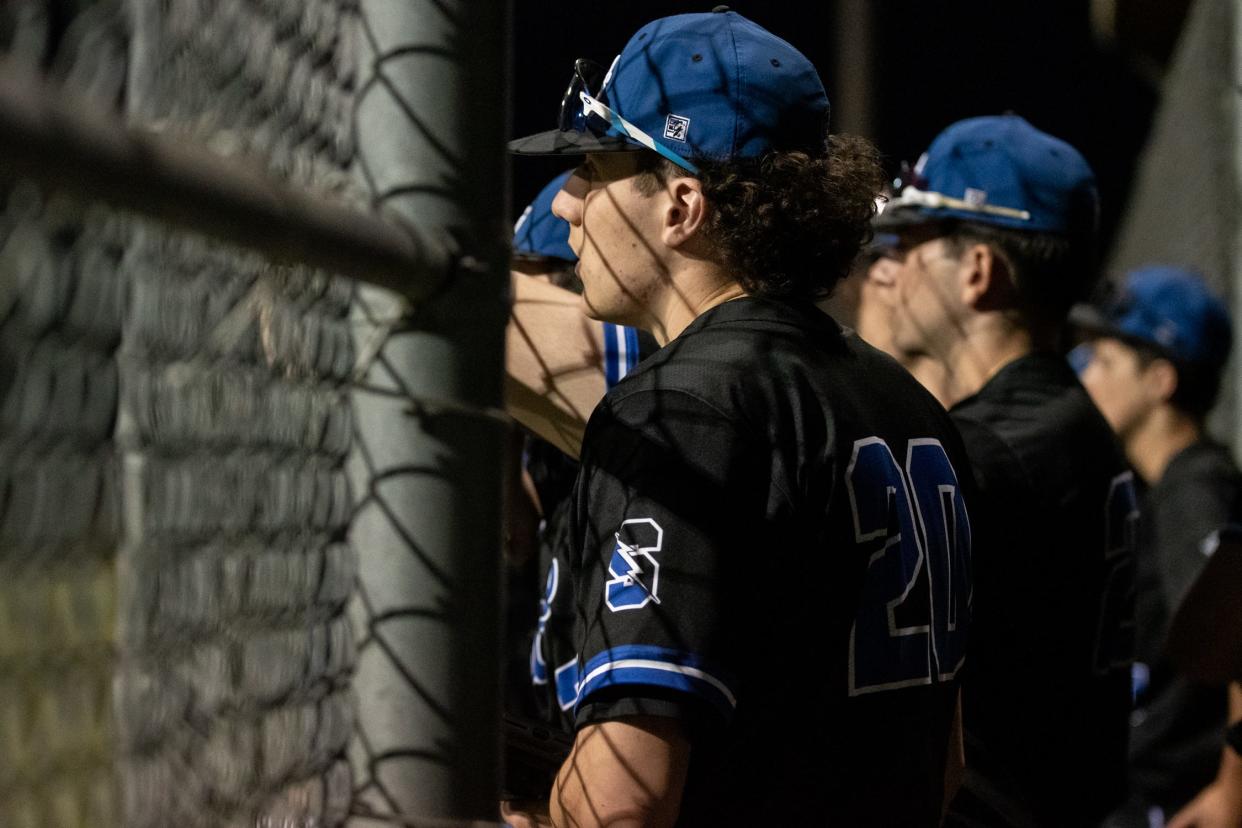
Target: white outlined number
635	572
1114	639
914	610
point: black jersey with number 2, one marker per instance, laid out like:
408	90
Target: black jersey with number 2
770	543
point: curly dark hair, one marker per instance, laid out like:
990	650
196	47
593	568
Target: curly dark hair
789	225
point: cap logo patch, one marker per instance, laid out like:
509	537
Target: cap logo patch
676	128
975	198
1166	334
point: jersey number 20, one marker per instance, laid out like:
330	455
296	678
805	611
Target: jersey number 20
915	604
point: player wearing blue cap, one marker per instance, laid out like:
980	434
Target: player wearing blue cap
770	569
555	356
546	323
542	239
995	226
1158	350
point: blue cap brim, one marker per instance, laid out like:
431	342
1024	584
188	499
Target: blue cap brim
570	142
1090	320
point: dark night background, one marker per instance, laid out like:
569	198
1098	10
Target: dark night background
922	64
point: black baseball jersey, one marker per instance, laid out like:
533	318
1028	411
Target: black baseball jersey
1178	726
1046	693
771	544
553	474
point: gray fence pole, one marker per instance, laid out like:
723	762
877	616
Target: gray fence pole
431	121
1233	277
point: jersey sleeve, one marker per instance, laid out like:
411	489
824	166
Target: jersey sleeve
670	493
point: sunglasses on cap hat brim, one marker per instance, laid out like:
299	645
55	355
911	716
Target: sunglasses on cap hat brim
913	202
587	124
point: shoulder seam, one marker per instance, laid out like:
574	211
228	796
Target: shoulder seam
745	434
996	439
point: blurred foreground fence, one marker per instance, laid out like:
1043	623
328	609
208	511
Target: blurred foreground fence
1186	204
249	509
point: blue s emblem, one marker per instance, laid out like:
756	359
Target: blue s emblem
635	572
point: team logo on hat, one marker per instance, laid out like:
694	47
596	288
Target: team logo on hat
635	572
975	197
676	128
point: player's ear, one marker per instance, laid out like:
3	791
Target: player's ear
986	281
1160	377
685	214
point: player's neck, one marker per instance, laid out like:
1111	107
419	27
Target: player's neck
688	295
931	373
985	347
1160	437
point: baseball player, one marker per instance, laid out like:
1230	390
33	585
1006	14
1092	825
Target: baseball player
770	568
994	228
1158	350
860	302
558	363
541	252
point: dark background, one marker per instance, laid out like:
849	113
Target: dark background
899	71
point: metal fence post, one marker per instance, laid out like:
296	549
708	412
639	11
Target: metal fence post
431	121
1233	288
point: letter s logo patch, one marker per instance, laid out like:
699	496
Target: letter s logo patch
635	572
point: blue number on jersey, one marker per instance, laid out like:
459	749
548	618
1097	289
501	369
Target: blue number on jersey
1114	642
915	605
539	667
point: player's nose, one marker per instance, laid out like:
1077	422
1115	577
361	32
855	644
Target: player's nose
567	204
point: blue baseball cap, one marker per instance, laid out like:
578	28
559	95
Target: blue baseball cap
537	232
998	170
692	87
1168	309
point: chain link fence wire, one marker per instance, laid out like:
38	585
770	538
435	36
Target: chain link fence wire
61	311
174	424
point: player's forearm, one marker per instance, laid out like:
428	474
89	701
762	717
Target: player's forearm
1220	803
1229	774
553	365
623	773
1231	763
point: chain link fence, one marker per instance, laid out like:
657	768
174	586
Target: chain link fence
175	421
232	696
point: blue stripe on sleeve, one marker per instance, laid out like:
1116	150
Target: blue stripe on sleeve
631	349
612	367
620	352
641	664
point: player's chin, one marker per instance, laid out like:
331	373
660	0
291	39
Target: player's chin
904	340
590	308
